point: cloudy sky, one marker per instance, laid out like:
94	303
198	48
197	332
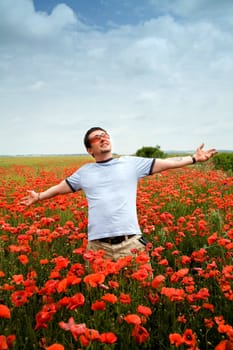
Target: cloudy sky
152	72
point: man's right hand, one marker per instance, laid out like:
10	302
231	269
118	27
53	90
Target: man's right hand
31	198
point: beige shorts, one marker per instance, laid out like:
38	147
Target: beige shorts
116	251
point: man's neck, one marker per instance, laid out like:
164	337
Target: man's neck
103	157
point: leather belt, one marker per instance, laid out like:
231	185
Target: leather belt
115	240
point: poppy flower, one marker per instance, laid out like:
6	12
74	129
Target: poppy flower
10	340
108	338
75	301
98	305
208	322
125	298
6	342
4	311
142	258
140	334
144	310
18	279
92	334
55	347
189	338
45	315
94	279
174	294
140	275
84	340
110	298
23	259
224	345
113	284
19	298
157	281
3	342
133	319
175	339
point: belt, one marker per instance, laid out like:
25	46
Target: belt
115	240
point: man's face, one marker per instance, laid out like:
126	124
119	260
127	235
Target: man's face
99	143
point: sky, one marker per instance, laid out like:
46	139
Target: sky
151	72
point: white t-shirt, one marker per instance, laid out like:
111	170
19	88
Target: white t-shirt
111	189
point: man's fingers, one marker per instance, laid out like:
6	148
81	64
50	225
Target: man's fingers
202	146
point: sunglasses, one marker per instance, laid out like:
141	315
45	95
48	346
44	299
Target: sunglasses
98	137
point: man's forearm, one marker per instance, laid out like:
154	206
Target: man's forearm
172	163
53	191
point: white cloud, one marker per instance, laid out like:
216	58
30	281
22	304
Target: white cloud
164	81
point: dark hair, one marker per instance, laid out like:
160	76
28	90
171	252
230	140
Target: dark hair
86	137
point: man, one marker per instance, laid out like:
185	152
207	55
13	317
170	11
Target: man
110	185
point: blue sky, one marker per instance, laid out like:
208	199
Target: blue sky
152	72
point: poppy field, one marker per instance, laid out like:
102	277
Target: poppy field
57	295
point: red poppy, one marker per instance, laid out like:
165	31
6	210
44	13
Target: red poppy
157	281
75	301
154	298
113	284
19	298
208	307
61	262
44	261
45	315
175	339
163	262
202	294
18	279
108	338
84	340
6	342
142	258
178	275
213	238
55	347
92	334
140	275
10	340
189	338
4	311
224	345
185	259
125	298
140	334
94	279
77	269
174	294
98	305
133	319
23	259
144	310
208	322
110	298
3	342
66	282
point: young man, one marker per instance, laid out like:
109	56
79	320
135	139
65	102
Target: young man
110	185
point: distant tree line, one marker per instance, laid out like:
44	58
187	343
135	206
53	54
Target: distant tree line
150	152
224	161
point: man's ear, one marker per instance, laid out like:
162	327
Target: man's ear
89	150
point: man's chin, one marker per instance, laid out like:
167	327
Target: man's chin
107	150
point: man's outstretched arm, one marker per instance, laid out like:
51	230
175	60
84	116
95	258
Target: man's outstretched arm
33	197
200	155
